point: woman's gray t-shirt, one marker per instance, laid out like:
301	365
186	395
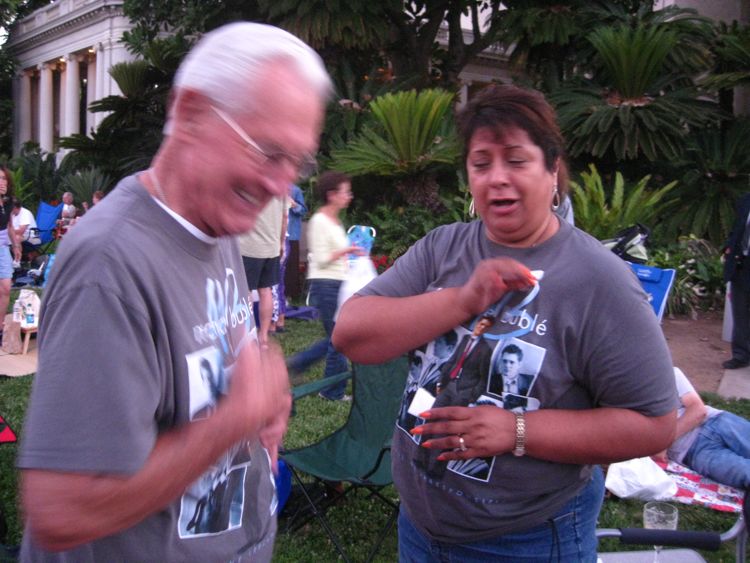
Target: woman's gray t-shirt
588	338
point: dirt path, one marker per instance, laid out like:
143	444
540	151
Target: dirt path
697	348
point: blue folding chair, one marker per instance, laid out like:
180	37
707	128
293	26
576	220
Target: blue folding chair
657	283
46	221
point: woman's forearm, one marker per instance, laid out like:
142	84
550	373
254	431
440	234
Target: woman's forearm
602	435
599	435
374	329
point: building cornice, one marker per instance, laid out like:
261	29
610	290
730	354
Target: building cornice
44	25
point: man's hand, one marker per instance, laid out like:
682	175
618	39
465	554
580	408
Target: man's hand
272	434
258	399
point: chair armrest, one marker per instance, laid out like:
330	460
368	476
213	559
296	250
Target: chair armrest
315	386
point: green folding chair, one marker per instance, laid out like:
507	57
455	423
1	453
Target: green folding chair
358	453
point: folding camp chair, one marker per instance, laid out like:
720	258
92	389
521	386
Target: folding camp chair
709	541
358	453
46	223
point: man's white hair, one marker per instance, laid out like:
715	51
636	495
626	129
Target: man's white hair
225	61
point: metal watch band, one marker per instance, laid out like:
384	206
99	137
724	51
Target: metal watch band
520	448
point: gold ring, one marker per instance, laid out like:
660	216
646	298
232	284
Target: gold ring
461	443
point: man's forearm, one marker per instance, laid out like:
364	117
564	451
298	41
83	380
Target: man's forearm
69	509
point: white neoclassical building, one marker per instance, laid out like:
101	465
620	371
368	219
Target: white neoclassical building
64	52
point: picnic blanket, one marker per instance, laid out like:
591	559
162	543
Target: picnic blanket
693	488
6	434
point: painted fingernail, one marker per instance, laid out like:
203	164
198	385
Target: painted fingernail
441	457
416	431
427	444
425	414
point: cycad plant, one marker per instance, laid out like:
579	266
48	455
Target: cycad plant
716	171
631	109
409	137
733	57
84	183
603	210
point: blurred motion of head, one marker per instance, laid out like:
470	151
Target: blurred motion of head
225	63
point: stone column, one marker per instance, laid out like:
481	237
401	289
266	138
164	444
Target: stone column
71	111
22	131
102	64
91	91
118	54
46	140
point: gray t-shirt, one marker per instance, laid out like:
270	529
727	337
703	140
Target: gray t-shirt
681	445
585	338
140	327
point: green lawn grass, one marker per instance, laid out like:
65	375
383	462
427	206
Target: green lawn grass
357	518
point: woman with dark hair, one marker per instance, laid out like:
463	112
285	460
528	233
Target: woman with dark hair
7	242
328	247
537	492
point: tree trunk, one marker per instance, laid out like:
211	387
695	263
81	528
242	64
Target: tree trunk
421	190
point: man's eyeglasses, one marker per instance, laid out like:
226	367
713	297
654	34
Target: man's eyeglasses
305	165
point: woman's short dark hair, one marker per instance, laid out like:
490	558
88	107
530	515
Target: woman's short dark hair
329	181
500	107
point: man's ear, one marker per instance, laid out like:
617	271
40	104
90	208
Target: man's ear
187	108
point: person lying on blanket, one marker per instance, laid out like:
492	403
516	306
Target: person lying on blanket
713	442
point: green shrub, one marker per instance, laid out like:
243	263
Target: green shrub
603	210
699	279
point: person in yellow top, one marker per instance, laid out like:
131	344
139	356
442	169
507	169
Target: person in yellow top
328	247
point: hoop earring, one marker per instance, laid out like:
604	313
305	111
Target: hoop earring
555	196
472	209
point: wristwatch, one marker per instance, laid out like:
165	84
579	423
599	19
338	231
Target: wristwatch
520	448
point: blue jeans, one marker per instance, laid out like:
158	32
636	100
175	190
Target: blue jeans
721	450
570	535
324	295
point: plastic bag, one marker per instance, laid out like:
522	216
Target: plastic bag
640	478
361	272
29	309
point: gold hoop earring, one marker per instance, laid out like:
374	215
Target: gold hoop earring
556	196
472	209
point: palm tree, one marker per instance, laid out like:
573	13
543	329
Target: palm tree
410	135
544	38
129	136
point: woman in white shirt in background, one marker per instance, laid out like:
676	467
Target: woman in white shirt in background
328	247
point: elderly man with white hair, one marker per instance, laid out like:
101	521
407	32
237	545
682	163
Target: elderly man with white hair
155	439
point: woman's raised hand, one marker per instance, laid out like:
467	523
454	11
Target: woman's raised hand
491	279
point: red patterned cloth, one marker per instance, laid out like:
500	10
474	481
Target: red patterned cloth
6	434
693	488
